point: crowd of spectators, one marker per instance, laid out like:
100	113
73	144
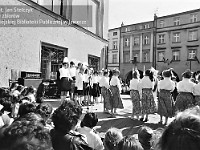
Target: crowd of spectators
27	125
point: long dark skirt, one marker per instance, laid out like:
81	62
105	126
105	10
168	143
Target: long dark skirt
148	103
86	88
165	103
107	95
116	101
184	100
135	97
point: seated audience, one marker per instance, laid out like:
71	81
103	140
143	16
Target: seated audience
112	138
26	135
26	108
65	119
31	94
129	143
93	139
183	133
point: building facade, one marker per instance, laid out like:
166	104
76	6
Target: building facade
113	48
170	41
41	49
177	38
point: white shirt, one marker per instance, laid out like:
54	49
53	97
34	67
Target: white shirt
104	81
115	82
166	84
146	83
79	81
134	84
93	139
94	79
185	85
196	89
64	72
72	71
86	78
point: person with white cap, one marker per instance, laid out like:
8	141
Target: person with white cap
65	79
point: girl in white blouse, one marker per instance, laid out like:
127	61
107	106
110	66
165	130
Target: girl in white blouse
197	91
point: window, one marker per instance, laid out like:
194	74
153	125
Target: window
192	36
136	55
176	21
175	55
114	33
126	57
114	58
193	18
145	57
146	26
161	38
146	40
162	23
161	56
192	53
136	41
127	42
176	37
115	45
126	29
140	27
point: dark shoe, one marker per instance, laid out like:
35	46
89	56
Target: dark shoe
160	122
146	120
141	119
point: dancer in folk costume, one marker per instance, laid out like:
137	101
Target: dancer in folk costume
105	90
197	91
185	98
134	93
146	93
65	79
115	87
86	86
95	87
72	71
80	80
165	99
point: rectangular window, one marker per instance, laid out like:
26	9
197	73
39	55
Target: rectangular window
175	55
136	41
161	56
114	33
193	18
146	26
114	58
115	45
126	57
176	21
127	42
192	53
176	37
161	38
162	23
135	56
145	57
126	29
146	40
192	36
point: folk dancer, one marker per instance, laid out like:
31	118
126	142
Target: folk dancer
185	88
86	87
105	91
65	79
134	93
165	98
197	91
115	87
79	84
95	87
72	71
146	94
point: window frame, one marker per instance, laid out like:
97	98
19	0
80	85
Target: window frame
162	60
174	51
176	21
193	31
192	49
127	42
135	39
162	23
114	59
161	40
175	39
115	45
126	57
146	40
115	33
193	18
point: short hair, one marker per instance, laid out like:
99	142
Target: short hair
183	133
149	73
26	108
145	135
19	87
112	138
66	116
31	89
136	74
167	73
72	63
129	143
115	71
187	74
105	73
45	110
26	135
90	120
